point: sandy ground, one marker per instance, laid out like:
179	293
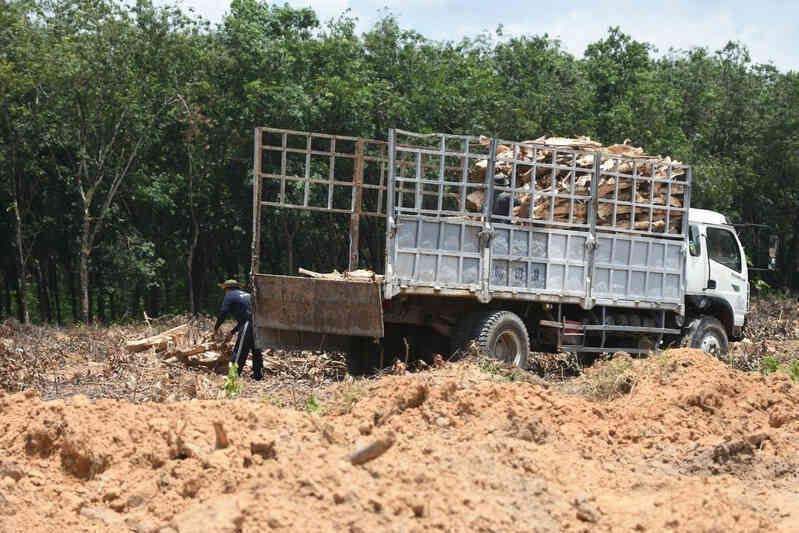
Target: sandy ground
684	443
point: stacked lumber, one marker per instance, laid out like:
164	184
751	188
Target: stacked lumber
553	178
354	275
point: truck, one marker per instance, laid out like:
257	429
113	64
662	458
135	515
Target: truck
546	245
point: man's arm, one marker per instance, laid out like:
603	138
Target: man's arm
220	320
223	313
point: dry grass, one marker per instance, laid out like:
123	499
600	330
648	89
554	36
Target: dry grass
345	395
618	375
772	317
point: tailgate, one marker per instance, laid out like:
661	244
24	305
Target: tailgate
352	308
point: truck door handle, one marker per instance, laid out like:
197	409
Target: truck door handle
736	288
711	284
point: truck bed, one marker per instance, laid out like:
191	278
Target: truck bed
440	242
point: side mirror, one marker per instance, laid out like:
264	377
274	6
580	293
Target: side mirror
711	284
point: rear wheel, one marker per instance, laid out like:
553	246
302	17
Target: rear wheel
502	335
708	334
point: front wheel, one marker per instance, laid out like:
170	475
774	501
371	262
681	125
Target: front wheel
502	335
708	334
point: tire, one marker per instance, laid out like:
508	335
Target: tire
708	334
503	336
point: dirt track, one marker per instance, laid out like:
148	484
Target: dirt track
694	446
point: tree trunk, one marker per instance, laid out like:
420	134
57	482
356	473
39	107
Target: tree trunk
23	302
290	231
45	284
73	296
4	311
55	288
195	234
190	264
154	301
40	290
100	298
9	312
15	289
112	306
85	249
136	301
789	258
92	313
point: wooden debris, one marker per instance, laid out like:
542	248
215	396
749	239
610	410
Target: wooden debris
560	187
222	440
355	275
173	345
160	341
370	451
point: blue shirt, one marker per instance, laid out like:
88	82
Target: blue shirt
238	304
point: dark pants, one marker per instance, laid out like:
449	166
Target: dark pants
245	343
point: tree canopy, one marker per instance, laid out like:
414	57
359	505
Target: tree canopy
126	135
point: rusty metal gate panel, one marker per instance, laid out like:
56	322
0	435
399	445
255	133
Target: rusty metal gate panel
318	305
318	172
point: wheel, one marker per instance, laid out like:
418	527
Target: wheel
465	330
707	333
502	335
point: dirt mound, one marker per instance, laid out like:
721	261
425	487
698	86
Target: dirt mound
693	446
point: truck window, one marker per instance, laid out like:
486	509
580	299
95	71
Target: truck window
693	241
723	248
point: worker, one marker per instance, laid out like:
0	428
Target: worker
503	202
238	303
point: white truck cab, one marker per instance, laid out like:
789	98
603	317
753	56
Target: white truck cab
717	282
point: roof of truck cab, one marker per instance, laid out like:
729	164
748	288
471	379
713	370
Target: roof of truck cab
705	216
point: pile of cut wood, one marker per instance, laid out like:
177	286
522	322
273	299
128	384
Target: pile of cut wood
185	345
562	179
354	275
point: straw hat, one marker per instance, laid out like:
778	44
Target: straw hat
229	284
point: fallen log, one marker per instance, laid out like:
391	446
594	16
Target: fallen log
160	341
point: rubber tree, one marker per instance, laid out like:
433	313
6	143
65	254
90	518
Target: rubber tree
107	90
18	132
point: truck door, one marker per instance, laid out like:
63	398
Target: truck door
727	273
697	271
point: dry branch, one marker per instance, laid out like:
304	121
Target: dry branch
160	341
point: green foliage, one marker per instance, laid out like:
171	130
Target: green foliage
313	405
232	386
761	286
793	370
769	365
92	89
488	365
